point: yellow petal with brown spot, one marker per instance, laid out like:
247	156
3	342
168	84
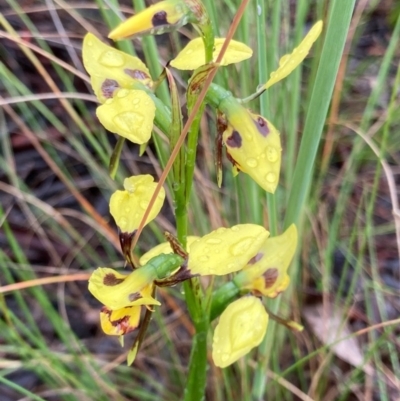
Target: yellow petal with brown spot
110	69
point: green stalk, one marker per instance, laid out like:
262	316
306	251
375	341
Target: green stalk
197	375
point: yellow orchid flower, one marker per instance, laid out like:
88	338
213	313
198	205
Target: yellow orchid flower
225	250
116	290
289	62
241	327
254	146
266	274
193	55
124	111
128	206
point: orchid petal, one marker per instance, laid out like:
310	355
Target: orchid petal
110	69
226	250
130	114
290	61
128	207
241	327
193	55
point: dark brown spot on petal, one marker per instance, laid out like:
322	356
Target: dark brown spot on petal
108	88
234	140
159	18
270	277
110	280
136	74
232	160
125	240
134	296
255	258
262	126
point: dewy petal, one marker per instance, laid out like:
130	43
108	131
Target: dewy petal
164	248
241	327
157	19
130	113
193	55
111	69
116	290
226	250
267	274
121	321
254	145
128	207
290	61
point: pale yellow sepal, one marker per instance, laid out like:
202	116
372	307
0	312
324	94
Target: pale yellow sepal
193	55
111	69
130	114
241	327
116	290
164	248
121	321
267	274
128	207
255	146
226	250
290	61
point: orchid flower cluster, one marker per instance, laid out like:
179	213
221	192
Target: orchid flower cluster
129	107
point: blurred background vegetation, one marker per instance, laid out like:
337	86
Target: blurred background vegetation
55	224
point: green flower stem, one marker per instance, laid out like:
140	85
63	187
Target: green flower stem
222	297
197	375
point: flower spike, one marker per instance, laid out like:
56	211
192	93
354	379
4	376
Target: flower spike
241	327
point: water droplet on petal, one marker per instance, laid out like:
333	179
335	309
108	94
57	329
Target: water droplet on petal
235	228
225	357
89	43
271	177
111	58
109	101
203	258
251	162
127	209
122	222
189	51
213	241
143	204
272	154
241	247
127	120
220	230
136	101
122	93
